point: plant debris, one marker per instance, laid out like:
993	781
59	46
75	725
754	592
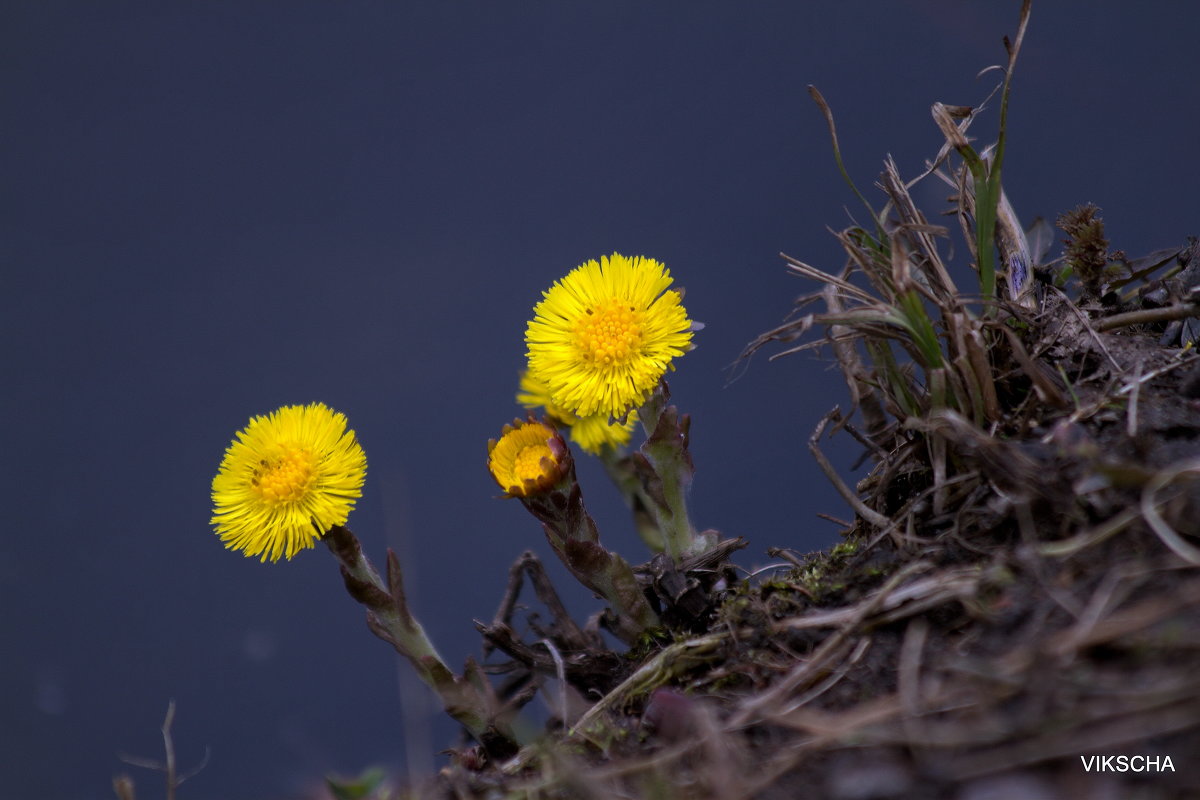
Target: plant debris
1087	248
1016	599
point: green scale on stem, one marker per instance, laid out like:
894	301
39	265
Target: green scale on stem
664	467
469	698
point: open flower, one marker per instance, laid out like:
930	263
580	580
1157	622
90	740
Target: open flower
530	458
602	337
593	434
287	479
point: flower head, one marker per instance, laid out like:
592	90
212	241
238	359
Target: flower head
592	434
530	458
602	337
287	479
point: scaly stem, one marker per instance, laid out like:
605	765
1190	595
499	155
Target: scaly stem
623	474
466	699
666	471
572	533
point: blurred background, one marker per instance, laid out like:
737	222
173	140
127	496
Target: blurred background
210	210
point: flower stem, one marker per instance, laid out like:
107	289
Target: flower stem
572	533
623	473
467	699
666	471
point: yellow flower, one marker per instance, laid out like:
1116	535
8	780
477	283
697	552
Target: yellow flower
529	458
602	337
287	479
592	434
595	433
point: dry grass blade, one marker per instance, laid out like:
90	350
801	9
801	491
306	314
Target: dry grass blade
913	224
1019	582
819	99
858	377
891	597
1150	510
1145	316
660	670
851	497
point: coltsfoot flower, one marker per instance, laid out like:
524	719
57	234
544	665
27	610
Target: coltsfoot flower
530	458
602	337
593	434
287	479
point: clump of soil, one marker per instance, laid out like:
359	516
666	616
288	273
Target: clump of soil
1014	611
1012	600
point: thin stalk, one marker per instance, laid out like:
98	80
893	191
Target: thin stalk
669	471
389	618
920	328
987	178
621	471
877	243
898	385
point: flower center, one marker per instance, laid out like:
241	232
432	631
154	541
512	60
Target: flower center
610	333
286	477
528	464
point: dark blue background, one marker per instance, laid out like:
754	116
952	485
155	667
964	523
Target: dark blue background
214	209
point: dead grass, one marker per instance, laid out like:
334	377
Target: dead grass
1020	584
